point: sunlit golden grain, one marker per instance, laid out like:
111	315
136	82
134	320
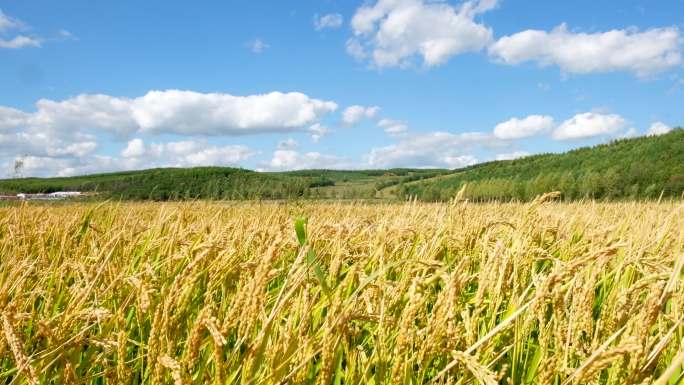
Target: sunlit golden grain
342	293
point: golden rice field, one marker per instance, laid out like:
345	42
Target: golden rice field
362	293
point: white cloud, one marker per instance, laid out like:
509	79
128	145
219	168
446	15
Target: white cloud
39	166
293	160
19	41
84	112
354	114
69	130
355	49
137	155
393	127
13	34
515	128
257	45
436	149
172	111
187	112
63	34
658	128
318	131
94	164
393	32
629	133
46	144
7	24
459	161
193	153
643	53
45	166
288	144
217	156
12	118
589	124
331	20
135	148
512	155
72	149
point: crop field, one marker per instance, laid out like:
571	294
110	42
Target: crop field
342	293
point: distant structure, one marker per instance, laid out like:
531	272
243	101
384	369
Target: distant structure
59	195
66	194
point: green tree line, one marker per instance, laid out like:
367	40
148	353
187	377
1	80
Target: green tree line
170	184
636	168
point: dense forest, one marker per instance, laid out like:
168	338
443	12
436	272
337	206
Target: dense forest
169	184
637	168
223	183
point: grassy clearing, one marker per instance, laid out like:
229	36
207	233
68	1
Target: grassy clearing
413	293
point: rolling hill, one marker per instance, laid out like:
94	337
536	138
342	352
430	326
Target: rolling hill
636	168
223	183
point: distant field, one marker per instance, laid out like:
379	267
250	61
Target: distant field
342	293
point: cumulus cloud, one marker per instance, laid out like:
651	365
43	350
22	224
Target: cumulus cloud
393	32
92	112
187	112
70	129
46	166
643	53
137	155
203	155
512	155
658	128
46	144
588	125
294	160
190	153
174	111
331	20
135	148
515	128
435	149
186	153
393	127
354	114
12	118
9	24
42	166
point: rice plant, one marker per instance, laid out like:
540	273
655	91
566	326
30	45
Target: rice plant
342	293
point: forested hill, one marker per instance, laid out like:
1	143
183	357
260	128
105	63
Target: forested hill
636	168
166	184
224	183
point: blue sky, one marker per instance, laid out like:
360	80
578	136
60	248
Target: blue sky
272	85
